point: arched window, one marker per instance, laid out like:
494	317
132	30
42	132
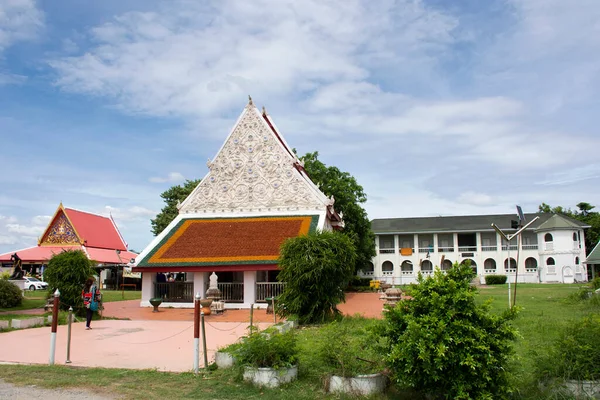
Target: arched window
513	263
548	237
550	261
472	264
406	266
576	260
530	263
490	264
426	266
446	265
369	268
574	236
387	266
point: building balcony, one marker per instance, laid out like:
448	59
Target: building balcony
467	248
425	249
446	249
529	246
489	248
387	251
512	247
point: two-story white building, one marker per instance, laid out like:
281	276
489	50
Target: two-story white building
552	249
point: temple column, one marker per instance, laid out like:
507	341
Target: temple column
249	288
199	283
148	280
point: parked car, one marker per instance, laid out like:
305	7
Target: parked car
34	283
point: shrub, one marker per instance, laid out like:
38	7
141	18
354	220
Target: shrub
10	294
575	354
4	275
495	279
581	294
350	347
267	350
316	268
443	344
67	272
596	283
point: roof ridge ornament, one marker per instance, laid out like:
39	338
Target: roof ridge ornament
264	111
250	103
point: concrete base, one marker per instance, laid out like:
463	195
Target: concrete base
27	323
3	324
228	306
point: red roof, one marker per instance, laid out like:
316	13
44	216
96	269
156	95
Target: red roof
37	253
96	230
107	256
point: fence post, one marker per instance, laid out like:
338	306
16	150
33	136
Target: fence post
274	313
251	317
204	340
54	326
196	332
70	320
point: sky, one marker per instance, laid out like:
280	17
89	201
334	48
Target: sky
436	107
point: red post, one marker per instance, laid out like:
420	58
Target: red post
197	333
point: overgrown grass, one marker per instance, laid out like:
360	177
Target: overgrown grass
118	295
545	311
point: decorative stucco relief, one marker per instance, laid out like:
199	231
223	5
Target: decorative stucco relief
251	172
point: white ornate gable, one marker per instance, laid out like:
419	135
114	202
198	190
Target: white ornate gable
253	171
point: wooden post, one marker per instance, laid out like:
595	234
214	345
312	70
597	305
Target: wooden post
54	326
204	340
197	332
69	335
251	316
274	313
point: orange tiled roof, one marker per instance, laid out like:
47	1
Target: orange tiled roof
227	241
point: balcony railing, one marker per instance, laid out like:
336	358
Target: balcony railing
268	289
529	246
387	273
511	270
174	292
407	273
489	248
425	249
386	251
231	292
531	270
467	248
489	271
446	249
367	273
512	247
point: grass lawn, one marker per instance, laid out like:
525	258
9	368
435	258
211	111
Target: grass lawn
544	311
117	295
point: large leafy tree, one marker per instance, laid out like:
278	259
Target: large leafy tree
171	197
316	268
349	196
583	213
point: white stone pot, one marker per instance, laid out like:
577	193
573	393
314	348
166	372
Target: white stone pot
224	360
587	389
363	385
270	377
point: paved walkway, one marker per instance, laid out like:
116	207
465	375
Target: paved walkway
162	341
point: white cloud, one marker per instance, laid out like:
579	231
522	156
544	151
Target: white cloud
7	240
474	198
171	177
574	175
25	229
41	220
11	79
129	214
19	20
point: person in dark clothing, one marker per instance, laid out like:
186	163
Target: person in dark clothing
89	290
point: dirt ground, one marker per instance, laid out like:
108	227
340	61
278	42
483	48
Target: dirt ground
10	391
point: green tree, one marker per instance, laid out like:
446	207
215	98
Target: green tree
349	196
444	344
316	268
172	196
583	214
67	272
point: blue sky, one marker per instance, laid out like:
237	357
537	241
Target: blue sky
436	107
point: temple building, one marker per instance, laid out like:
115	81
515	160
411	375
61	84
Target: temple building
69	229
255	195
552	248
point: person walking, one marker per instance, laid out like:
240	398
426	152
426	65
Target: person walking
90	295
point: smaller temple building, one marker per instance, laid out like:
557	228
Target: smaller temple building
69	229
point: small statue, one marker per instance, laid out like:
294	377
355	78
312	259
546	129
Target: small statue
213	291
17	272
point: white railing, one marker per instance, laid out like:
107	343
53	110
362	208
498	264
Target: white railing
388	273
512	247
467	248
407	272
425	249
445	249
511	270
231	292
549	246
529	246
489	248
427	272
489	271
368	273
386	251
530	270
268	289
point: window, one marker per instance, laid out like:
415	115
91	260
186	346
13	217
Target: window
576	260
386	241
530	263
387	266
490	264
446	265
370	267
406	266
574	236
513	263
550	261
548	237
426	266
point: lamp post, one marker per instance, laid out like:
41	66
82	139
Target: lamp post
508	238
